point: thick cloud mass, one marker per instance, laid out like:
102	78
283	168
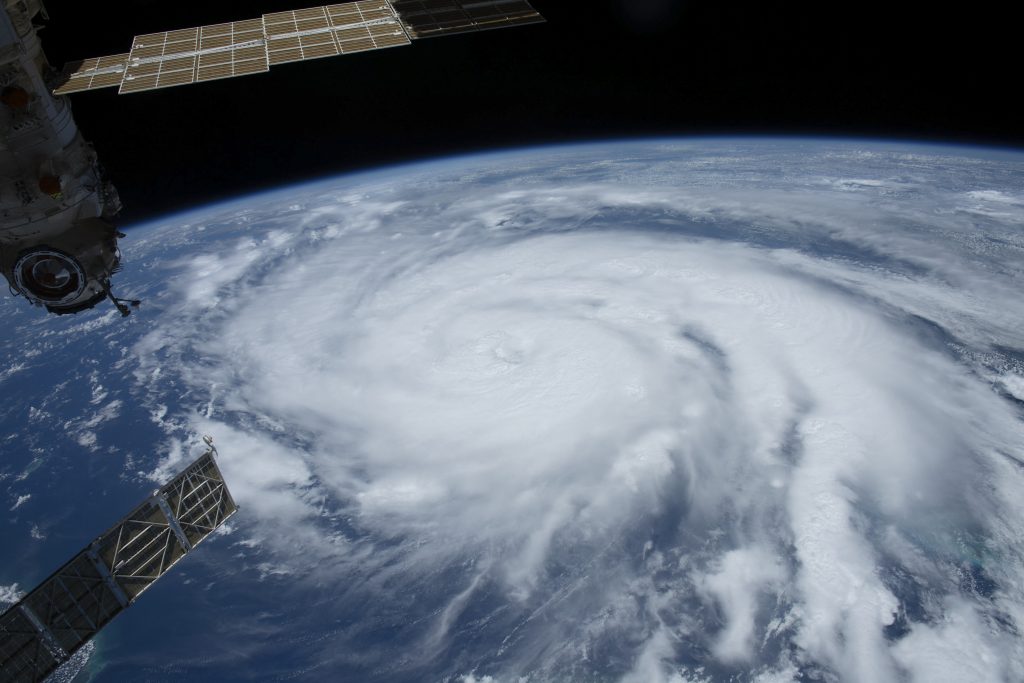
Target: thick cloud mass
652	412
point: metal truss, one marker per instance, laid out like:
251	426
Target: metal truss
65	611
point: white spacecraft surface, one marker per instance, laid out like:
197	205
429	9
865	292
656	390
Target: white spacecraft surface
57	246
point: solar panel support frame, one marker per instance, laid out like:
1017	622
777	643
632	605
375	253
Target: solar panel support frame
74	603
172	521
45	634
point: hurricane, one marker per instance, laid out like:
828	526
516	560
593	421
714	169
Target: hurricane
651	411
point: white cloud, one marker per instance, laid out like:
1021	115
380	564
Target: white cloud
10	594
82	429
21	501
772	423
1014	384
996	196
11	370
957	648
744	577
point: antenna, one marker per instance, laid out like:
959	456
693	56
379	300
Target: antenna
120	303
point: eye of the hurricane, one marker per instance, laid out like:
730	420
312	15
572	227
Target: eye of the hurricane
504	362
495	353
537	357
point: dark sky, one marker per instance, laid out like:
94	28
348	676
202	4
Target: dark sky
597	69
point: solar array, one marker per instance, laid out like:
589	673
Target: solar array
70	607
317	32
206	53
90	74
428	18
233	49
160	60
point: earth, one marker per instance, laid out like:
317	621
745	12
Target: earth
663	410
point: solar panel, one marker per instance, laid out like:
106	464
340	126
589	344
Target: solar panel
206	53
71	606
91	74
297	35
234	49
161	60
331	30
428	18
366	25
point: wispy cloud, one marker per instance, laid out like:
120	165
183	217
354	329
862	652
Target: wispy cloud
630	422
10	594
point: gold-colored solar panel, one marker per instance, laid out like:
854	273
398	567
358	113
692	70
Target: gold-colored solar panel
331	30
366	25
205	53
375	9
179	57
152	44
91	74
370	38
310	13
428	18
184	34
138	84
318	45
181	77
279	22
297	35
314	24
213	42
234	49
146	69
350	9
249	25
162	60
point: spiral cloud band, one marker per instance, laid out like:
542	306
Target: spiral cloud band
643	412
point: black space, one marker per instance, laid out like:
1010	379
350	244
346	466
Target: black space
597	69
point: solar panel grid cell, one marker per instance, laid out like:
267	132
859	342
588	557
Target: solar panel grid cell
241	50
173	53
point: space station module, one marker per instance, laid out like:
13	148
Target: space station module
58	248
